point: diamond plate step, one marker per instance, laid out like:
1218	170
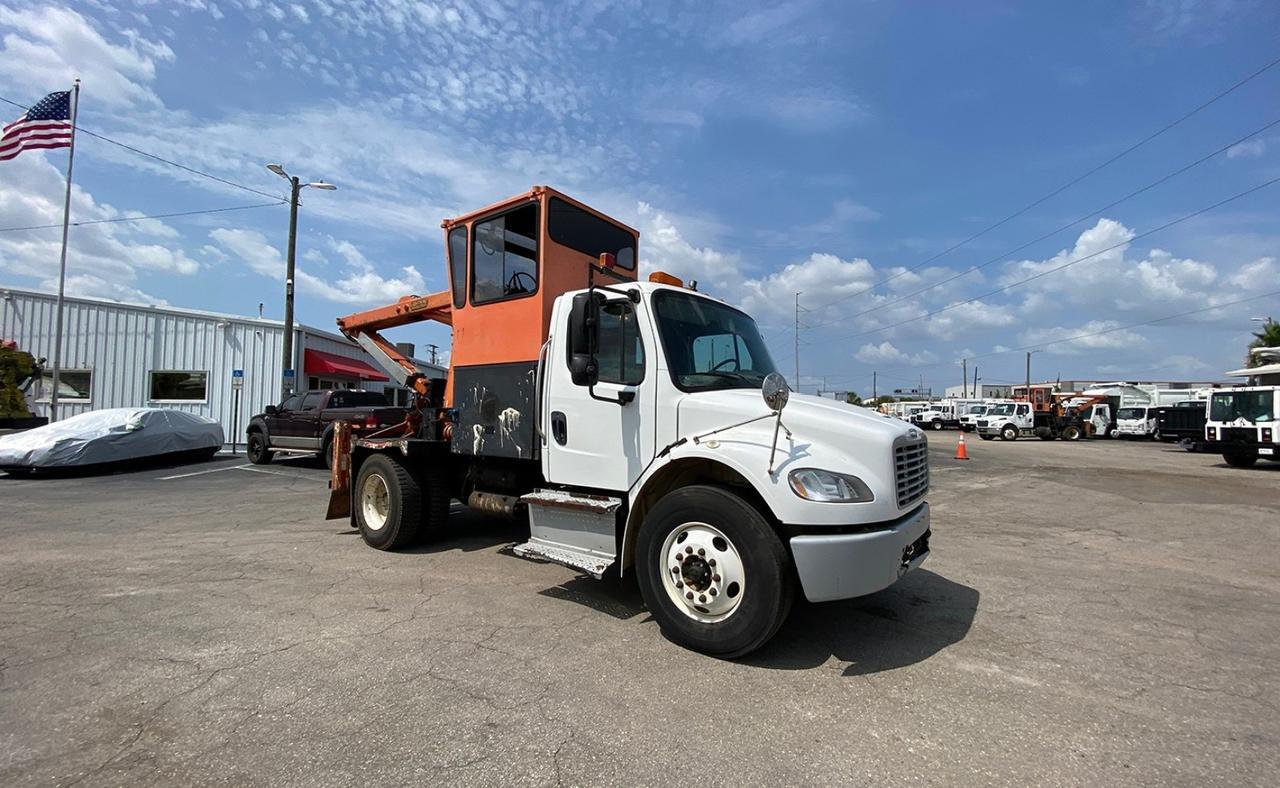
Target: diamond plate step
593	565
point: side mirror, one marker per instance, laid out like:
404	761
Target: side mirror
583	327
271	410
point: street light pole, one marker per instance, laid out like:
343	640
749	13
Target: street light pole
295	188
286	386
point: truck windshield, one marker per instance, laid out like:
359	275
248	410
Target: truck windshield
1252	406
710	345
1001	410
1131	413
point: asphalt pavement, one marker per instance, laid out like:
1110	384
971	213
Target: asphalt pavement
1093	613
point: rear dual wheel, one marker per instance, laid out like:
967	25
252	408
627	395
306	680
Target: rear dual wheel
713	572
395	507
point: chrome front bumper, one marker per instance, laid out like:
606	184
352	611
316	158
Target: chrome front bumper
842	566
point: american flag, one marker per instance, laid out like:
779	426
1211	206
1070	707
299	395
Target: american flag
46	125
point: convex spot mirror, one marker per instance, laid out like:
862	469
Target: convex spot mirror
775	391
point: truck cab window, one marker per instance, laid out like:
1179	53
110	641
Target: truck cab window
311	401
458	265
505	256
620	354
291	403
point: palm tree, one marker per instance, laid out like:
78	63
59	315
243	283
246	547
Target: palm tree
1267	336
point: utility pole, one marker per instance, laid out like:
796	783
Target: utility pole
433	349
964	378
920	391
874	397
975	381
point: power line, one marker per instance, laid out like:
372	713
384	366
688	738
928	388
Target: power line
1070	263
1065	186
1068	225
142	218
161	159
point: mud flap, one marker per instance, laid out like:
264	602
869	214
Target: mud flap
340	476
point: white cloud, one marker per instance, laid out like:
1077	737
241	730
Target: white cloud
359	283
103	260
871	353
52	46
664	248
1071	341
1247	149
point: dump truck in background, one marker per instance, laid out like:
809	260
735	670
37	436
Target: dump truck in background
636	427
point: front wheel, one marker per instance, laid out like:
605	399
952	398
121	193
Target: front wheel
1241	459
935	424
257	449
1009	433
1071	433
712	572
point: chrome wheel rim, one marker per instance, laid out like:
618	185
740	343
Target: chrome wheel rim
702	572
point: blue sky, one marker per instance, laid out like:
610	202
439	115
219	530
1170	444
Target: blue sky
761	149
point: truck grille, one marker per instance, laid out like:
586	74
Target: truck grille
911	470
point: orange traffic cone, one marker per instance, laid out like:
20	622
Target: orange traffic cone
961	452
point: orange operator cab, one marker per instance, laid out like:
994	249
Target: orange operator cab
507	264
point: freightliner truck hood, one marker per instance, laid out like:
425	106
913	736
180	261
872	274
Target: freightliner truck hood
825	434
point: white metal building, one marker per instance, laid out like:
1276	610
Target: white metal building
117	355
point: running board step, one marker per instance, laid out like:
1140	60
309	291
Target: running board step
590	563
572	529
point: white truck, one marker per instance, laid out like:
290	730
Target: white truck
1242	425
947	413
635	427
1136	421
1007	421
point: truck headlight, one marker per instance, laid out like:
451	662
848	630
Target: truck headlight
813	484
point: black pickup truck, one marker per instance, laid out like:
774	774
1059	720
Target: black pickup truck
303	423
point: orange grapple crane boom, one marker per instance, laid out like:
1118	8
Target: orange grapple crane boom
364	328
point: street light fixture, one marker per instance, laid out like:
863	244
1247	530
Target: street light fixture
295	186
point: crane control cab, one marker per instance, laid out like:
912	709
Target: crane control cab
635	426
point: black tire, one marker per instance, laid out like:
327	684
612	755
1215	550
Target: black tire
257	449
1111	432
435	504
767	599
400	526
1008	433
987	437
1240	459
935	425
1071	433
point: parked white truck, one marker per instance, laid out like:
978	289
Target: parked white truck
1242	425
1136	421
635	427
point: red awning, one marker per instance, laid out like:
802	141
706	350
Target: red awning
317	362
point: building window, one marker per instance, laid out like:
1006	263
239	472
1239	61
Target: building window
573	227
179	386
505	256
74	385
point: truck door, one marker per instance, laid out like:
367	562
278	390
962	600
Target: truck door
595	442
278	424
1022	417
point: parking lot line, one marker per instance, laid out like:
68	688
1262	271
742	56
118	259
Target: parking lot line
201	473
264	470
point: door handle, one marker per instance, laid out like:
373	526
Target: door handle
559	427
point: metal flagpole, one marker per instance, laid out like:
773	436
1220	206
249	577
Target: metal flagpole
62	266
